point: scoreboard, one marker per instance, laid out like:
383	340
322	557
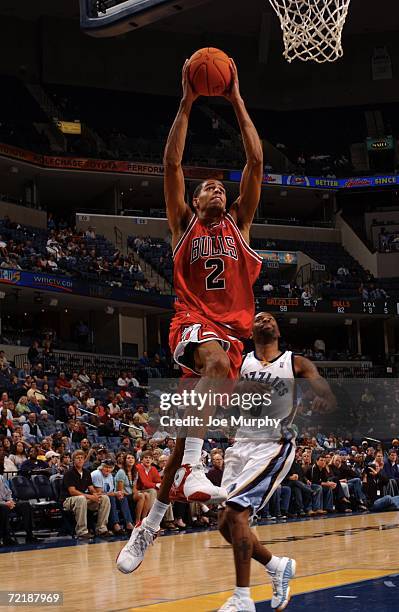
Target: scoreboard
336	306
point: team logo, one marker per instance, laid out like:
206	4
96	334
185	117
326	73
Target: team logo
188	332
298	181
12	277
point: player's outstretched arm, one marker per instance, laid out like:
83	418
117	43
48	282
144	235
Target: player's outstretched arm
177	210
325	399
251	182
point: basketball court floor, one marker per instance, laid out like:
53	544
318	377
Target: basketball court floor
343	563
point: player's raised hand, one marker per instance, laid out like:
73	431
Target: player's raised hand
189	94
233	92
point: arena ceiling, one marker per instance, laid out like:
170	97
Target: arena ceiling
220	16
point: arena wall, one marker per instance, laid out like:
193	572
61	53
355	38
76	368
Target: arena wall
23	215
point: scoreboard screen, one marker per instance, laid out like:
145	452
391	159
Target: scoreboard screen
355	306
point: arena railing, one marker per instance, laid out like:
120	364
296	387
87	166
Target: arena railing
64	360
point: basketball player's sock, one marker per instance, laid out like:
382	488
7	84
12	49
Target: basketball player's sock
155	515
192	451
242	592
273	564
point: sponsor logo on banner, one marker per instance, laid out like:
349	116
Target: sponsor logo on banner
154	169
11	277
62	284
358	182
270	179
298	181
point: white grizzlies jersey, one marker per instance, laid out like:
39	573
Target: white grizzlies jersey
270	420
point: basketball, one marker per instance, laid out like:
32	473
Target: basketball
209	71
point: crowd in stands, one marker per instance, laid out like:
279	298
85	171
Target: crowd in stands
55	425
388	241
342	276
63	250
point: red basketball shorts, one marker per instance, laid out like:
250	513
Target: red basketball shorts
189	329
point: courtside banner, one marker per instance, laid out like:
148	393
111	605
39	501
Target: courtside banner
72	286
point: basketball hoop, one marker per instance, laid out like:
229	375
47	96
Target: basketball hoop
312	29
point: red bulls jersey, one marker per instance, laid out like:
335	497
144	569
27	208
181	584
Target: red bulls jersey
214	271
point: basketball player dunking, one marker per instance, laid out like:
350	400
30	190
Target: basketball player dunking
214	271
260	459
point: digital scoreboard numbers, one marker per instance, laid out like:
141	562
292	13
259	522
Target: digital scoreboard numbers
343	306
376	307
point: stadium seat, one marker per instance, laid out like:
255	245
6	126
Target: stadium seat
23	489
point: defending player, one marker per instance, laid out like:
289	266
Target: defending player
261	458
214	271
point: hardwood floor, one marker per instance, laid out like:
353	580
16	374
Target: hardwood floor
194	572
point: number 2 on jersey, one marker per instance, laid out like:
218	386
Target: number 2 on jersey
213	280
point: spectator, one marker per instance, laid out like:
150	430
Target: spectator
32	464
18	456
65	463
215	474
22	406
301	491
75	382
53	461
35	393
148	476
22	374
33	353
351	484
170	445
84	377
131	380
30	430
101	454
126	481
62	382
5	367
6	424
8	505
47	426
391	469
79	496
320	476
141	416
103	482
122	380
82	335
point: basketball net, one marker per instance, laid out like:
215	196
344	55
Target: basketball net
312	29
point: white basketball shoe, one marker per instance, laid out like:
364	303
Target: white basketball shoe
280	582
132	555
236	604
